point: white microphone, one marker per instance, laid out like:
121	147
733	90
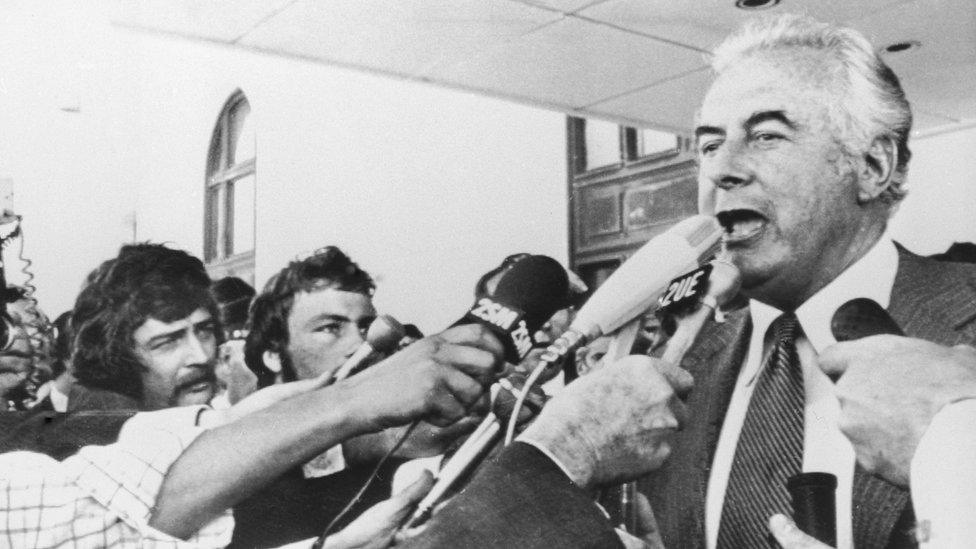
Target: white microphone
635	287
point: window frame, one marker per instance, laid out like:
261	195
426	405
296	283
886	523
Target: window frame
221	173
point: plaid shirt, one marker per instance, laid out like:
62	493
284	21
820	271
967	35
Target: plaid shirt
104	495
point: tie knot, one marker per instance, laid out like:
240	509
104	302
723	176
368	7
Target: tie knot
785	327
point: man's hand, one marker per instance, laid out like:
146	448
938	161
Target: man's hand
375	528
614	424
436	379
790	537
890	389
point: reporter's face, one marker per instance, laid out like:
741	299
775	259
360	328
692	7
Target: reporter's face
325	327
16	361
178	360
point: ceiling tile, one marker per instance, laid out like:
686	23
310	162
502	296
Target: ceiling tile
399	36
938	77
571	64
704	23
564	6
669	105
221	20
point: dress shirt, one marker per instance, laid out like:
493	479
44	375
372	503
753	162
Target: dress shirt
825	447
102	496
943	479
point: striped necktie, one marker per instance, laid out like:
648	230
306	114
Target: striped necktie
770	448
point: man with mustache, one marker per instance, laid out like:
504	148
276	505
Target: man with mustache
146	332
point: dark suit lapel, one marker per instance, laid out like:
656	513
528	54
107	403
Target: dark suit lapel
935	300
677	492
930	300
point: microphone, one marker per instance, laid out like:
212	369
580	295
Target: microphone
862	317
692	309
813	493
632	289
526	296
639	283
814	505
381	338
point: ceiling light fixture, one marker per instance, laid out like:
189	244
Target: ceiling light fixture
899	47
755	4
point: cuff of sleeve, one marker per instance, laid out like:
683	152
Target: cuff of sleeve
943	477
545	451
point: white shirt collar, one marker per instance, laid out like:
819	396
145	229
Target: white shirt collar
872	277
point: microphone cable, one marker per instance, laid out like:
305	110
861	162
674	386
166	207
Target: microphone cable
320	541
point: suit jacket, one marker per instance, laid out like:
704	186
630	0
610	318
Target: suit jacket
930	300
521	499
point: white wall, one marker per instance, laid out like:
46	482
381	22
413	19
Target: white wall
941	204
425	188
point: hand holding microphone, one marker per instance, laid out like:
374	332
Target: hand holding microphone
890	387
616	424
633	288
381	339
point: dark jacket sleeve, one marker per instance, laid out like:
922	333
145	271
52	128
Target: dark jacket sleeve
522	500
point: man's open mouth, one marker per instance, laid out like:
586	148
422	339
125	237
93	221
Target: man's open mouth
741	225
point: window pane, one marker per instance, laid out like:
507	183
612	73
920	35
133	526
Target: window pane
220	203
241	133
602	144
653	141
213	215
243	214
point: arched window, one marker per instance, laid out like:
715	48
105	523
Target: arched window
230	188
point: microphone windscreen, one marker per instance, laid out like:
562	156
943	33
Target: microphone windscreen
537	285
384	333
526	296
862	317
637	284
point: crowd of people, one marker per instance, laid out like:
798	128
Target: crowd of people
168	409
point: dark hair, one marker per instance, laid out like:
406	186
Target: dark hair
233	297
61	352
144	281
327	267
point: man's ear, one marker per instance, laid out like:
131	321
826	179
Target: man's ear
272	361
878	169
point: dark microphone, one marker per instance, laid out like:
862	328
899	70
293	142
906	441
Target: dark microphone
381	338
814	505
862	317
526	296
813	493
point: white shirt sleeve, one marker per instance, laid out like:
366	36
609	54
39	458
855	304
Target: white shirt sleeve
103	495
943	479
